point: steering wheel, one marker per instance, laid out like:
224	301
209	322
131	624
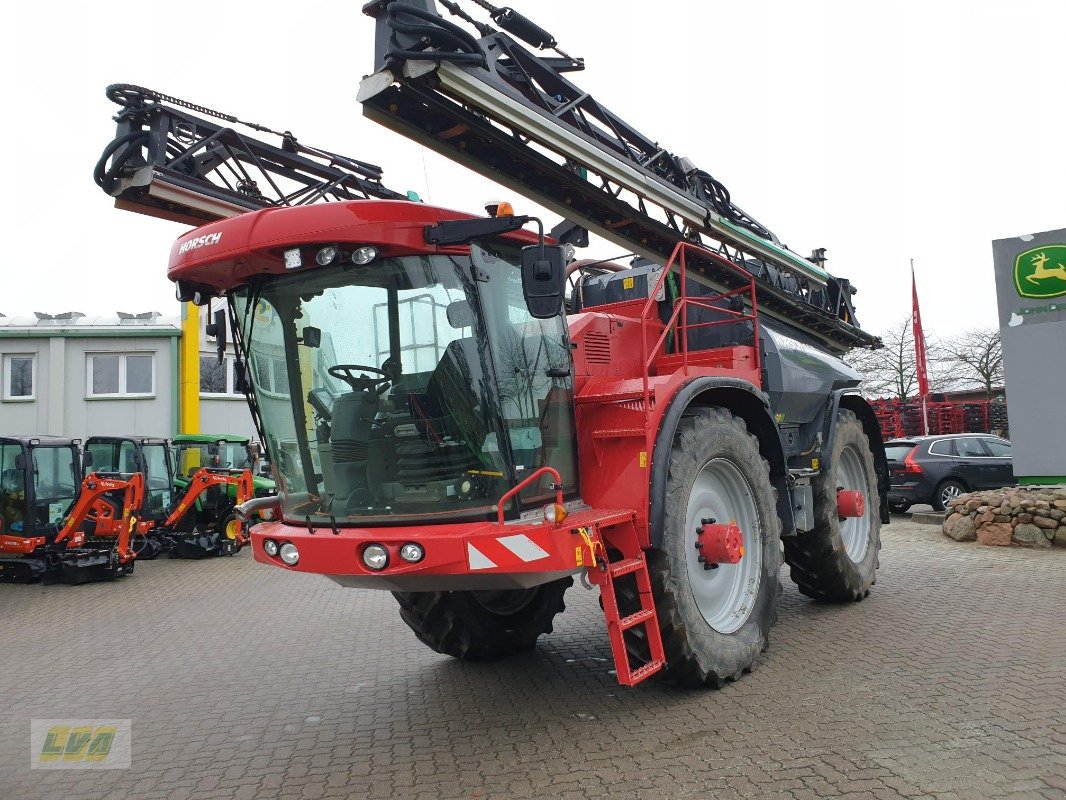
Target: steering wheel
346	373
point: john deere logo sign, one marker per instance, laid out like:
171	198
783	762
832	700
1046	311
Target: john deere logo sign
1040	273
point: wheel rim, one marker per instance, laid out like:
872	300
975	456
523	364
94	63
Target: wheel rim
726	595
233	527
855	531
949	493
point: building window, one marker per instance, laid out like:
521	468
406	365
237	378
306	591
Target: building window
218	380
19	377
271	375
121	374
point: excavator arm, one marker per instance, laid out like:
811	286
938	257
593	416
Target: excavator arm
202	480
94	487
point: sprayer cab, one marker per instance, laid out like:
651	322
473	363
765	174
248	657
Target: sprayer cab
409	365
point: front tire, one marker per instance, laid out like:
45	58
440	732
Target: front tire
837	560
483	626
715	622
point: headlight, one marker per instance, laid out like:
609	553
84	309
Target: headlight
292	258
412	552
326	256
289	554
270	547
362	256
375	557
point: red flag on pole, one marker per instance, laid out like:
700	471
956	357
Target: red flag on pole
919	340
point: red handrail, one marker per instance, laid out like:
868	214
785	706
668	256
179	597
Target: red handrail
705	302
528	480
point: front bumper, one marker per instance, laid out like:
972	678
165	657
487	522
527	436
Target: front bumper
476	556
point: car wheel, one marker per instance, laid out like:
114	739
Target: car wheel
946	492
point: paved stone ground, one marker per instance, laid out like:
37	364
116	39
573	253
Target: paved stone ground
246	682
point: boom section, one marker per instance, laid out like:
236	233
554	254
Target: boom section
167	162
499	109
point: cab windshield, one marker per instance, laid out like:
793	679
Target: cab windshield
414	388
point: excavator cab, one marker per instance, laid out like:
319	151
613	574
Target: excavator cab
39	481
217	451
44	510
149	456
407	388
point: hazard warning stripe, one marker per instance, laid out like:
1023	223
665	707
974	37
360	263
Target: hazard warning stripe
478	560
505	551
523	547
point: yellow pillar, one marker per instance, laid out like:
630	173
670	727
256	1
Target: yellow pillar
189	370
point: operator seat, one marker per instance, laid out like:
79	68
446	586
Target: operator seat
353	415
450	406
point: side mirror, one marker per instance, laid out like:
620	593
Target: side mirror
543	279
312	336
240	377
87	459
20	462
220	334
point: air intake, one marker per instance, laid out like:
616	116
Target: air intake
597	348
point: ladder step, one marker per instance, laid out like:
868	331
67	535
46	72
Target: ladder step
620	568
636	618
644	672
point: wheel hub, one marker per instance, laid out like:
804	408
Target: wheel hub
850	503
719	544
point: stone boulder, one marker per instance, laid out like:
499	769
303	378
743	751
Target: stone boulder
1030	536
964	529
993	533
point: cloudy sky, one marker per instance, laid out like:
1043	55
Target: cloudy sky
883	131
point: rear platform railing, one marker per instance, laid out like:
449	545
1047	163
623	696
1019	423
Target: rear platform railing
679	319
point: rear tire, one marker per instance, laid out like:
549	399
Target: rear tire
483	626
837	561
714	623
946	492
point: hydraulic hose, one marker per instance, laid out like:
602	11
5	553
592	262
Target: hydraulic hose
104	177
434	31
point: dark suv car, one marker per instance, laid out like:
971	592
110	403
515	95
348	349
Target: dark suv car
937	469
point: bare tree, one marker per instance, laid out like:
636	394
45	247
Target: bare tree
892	370
974	358
889	371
